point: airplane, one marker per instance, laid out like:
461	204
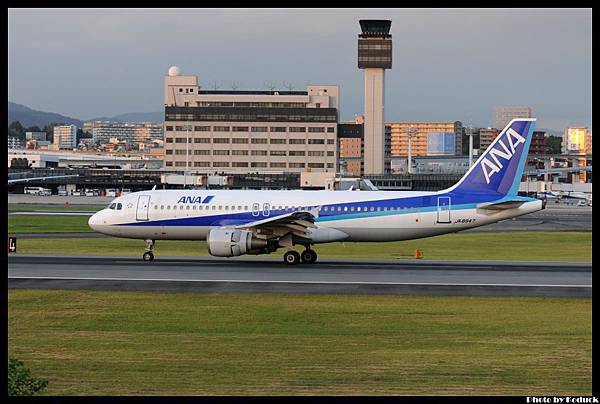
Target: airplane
237	222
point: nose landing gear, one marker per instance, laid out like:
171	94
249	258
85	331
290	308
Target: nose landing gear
148	255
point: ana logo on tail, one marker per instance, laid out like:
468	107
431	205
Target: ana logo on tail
490	168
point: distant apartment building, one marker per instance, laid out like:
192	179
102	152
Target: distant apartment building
65	137
36	136
350	148
577	140
399	132
538	143
503	115
441	144
486	137
249	131
103	131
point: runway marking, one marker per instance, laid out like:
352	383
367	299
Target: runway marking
300	282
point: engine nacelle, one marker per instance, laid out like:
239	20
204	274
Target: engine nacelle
233	243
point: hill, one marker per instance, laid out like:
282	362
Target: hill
31	117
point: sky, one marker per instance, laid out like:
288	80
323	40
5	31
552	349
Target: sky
448	64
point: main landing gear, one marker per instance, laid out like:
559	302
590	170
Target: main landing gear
148	255
292	257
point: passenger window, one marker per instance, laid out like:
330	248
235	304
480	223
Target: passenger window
188	207
194	207
358	209
379	209
239	208
245	207
169	207
162	207
226	207
214	207
155	207
345	208
181	207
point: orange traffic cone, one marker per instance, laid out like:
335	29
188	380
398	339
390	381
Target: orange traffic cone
418	254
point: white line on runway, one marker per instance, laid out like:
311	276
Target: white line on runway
302	282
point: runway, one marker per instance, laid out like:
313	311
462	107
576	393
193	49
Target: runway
328	276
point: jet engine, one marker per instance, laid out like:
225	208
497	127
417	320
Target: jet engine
232	243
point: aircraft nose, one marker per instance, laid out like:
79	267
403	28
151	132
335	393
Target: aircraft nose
94	221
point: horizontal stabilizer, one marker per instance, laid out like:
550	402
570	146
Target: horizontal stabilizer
501	205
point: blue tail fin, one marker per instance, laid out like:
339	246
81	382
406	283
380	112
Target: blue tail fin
499	169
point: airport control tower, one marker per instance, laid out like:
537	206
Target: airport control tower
374	56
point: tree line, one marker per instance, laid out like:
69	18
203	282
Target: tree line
16	130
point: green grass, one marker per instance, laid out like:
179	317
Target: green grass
56	208
143	343
524	246
48	224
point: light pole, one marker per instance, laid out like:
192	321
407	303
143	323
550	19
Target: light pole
187	155
410	135
470	134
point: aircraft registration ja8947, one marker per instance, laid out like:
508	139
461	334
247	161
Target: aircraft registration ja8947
237	222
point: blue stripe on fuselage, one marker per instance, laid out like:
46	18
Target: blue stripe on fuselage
397	206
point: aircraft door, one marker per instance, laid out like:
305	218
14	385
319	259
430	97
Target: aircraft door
143	205
443	209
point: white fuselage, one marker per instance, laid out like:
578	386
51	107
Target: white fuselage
361	215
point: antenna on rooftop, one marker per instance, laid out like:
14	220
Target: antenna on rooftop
235	85
289	86
270	86
215	86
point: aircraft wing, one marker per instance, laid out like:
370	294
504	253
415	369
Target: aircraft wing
294	223
500	205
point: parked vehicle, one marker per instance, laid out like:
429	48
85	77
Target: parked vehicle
112	192
581	203
125	191
63	192
40	191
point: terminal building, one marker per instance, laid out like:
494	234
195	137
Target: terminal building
249	131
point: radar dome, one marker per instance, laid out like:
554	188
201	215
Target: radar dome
174	71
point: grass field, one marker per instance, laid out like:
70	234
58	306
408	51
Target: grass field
525	246
138	343
56	208
48	224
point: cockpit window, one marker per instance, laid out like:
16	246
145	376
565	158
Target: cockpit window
119	206
112	206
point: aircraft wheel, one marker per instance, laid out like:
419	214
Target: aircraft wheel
148	256
309	256
291	258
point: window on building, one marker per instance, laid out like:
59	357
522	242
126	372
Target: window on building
330	130
296	165
316	130
202	128
297	153
201	164
169	127
239	129
221	129
239	164
259	141
297	141
199	152
221	140
330	141
220	152
277	165
169	140
258	153
168	151
316	165
169	164
258	164
278	153
330	154
319	153
239	152
297	129
316	141
259	129
277	141
220	163
239	140
202	140
277	128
